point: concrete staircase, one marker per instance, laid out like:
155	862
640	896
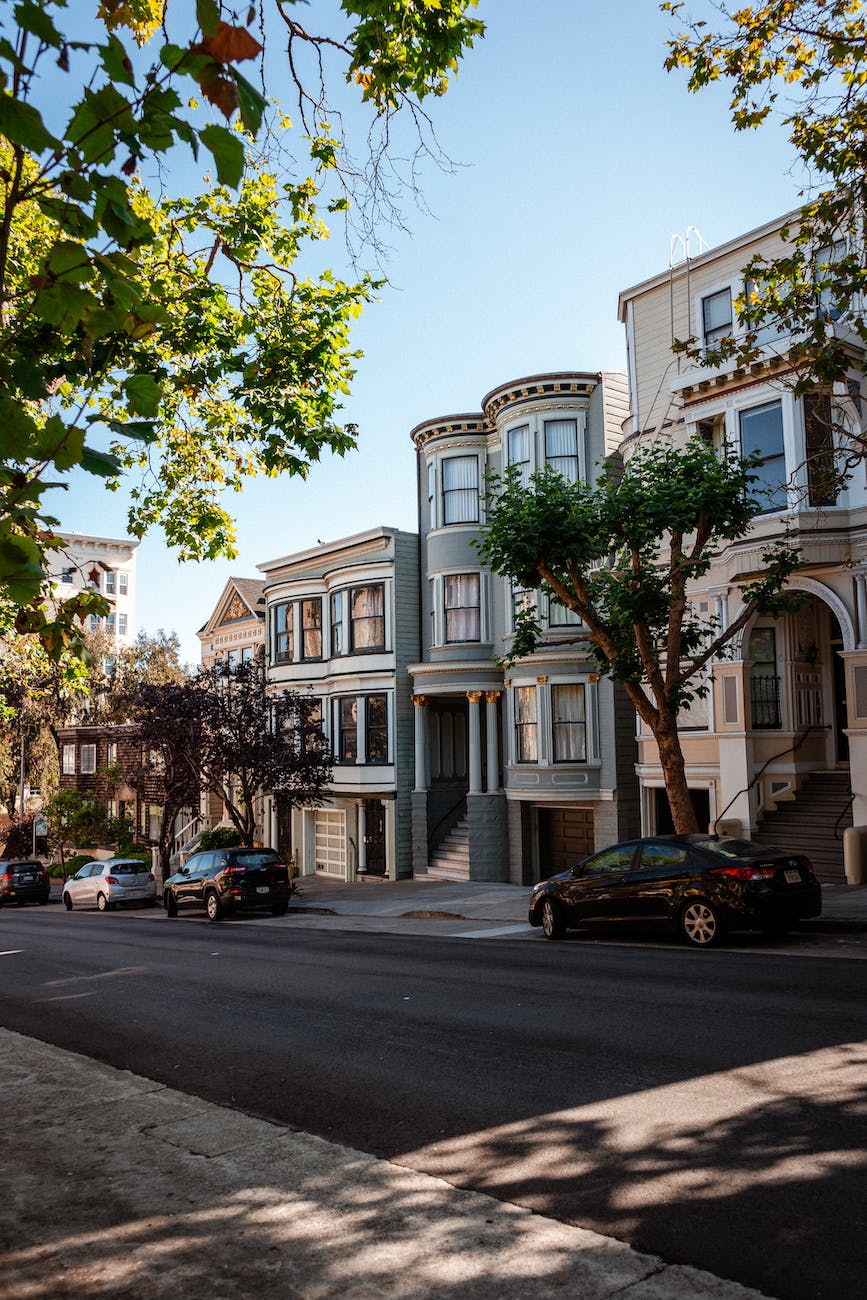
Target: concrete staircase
450	860
806	823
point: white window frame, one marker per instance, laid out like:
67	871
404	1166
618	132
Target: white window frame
67	762
88	760
446	493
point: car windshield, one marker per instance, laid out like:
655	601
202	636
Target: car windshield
737	848
253	859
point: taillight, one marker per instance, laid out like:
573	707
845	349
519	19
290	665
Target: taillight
235	871
111	880
7	875
746	873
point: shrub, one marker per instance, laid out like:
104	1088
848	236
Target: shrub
221	837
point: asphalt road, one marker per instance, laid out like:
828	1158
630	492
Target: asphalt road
708	1107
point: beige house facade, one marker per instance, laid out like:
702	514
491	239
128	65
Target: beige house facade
779	746
103	564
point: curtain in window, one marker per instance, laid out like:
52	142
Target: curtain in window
560	615
519	451
347	749
311	629
367	616
377	729
283	634
525	724
460	489
462	607
568	716
337	623
561	447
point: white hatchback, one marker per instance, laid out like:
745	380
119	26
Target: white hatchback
104	885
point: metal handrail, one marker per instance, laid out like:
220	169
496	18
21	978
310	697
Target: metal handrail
814	726
843	813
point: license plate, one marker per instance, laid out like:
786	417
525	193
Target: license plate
793	877
262	889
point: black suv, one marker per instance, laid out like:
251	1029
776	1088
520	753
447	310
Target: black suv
225	880
23	882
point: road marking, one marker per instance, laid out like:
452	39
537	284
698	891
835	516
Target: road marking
11	952
101	975
492	933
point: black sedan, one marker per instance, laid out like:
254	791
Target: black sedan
699	883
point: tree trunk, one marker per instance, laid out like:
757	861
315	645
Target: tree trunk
674	774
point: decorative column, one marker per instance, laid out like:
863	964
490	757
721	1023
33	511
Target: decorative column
421	739
475	739
493	764
361	864
861	606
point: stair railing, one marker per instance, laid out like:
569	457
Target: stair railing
843	813
814	726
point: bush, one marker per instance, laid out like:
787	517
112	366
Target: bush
140	852
221	837
71	865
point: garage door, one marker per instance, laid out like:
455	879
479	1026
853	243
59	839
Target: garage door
330	832
565	837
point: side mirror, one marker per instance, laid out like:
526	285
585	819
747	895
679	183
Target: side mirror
184	871
578	870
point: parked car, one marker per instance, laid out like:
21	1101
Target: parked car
699	883
106	885
23	881
226	880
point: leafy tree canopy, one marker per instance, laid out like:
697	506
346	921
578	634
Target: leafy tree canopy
622	553
180	326
804	61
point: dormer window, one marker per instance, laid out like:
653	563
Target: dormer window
716	315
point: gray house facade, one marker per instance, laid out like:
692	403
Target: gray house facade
342	625
518	773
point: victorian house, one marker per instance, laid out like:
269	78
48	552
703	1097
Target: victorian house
778	750
519	772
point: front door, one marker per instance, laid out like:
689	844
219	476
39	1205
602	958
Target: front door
374	836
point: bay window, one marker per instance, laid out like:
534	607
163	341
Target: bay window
376	728
346	750
762	432
311	629
338	643
367	618
519	451
282	624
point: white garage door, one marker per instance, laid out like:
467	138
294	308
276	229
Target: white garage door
330	835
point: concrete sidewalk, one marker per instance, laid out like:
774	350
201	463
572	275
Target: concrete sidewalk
118	1186
844	908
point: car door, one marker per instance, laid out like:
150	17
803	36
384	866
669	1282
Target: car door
189	891
82	886
598	889
654	883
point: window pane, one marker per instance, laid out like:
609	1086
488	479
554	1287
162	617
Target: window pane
347	738
762	432
460	489
462	607
561	447
311	629
717	315
819	439
525	724
367	618
337	641
561	615
283	634
377	729
569	724
519	450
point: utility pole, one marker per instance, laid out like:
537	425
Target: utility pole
21	778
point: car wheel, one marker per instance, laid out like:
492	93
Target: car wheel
553	924
102	903
67	902
213	906
169	903
700	923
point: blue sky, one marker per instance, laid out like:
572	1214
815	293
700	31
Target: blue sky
579	157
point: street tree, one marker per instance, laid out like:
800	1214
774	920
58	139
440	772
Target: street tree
252	743
623	553
167	715
803	62
150	660
176	336
77	820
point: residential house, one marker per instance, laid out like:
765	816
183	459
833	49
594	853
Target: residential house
779	747
109	764
343	626
519	772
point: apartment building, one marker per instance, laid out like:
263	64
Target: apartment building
779	747
106	565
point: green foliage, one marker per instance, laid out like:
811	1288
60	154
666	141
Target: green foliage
805	61
221	837
69	867
178	325
624	553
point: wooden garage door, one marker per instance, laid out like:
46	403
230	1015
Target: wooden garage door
565	837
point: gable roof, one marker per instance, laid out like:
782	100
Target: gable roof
251	592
